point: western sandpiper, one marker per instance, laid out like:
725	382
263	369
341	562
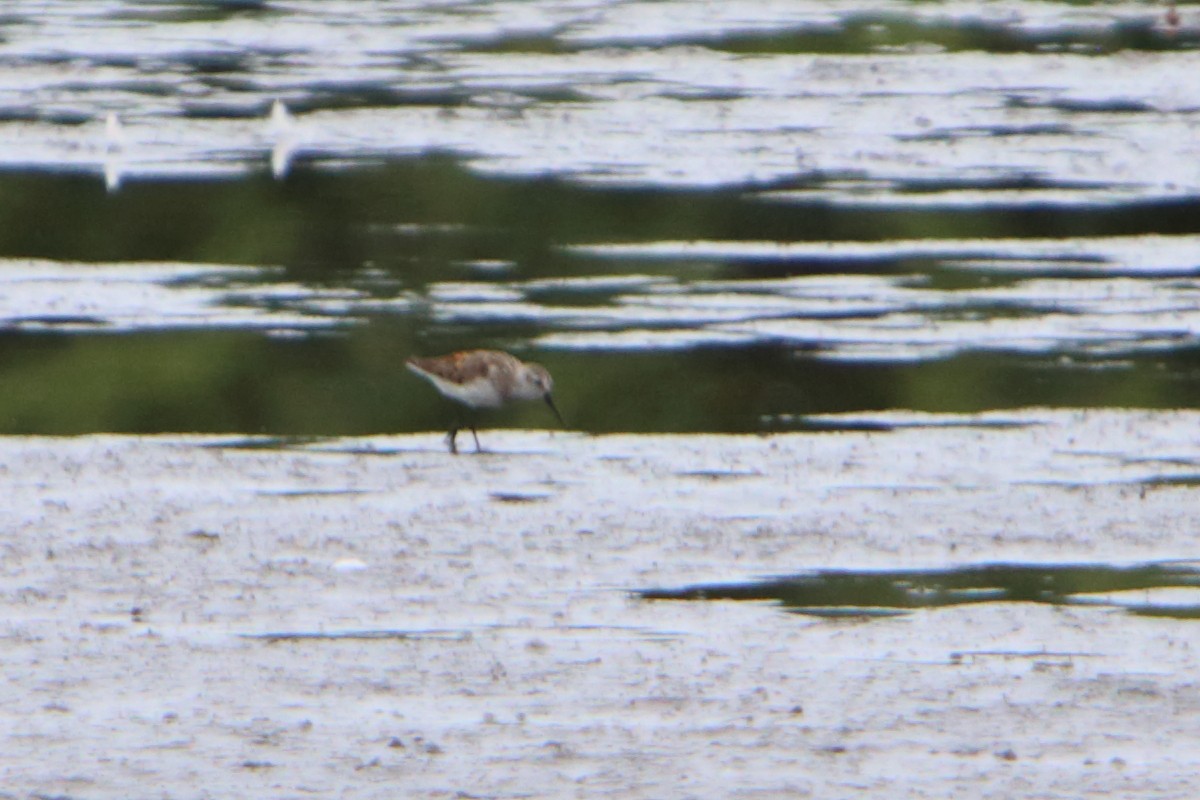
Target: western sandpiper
484	379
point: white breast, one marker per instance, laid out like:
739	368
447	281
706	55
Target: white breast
479	393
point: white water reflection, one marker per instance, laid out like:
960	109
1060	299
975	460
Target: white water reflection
282	127
1121	254
42	295
632	93
1141	295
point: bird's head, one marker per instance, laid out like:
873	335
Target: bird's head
539	384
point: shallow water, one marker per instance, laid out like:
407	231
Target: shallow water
1156	590
242	217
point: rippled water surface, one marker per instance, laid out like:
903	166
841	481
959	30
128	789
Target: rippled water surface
243	216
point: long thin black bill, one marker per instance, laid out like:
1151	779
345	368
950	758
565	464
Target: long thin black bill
554	408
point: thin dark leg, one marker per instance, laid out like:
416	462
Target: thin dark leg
450	440
478	449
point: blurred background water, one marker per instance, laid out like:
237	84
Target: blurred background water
243	216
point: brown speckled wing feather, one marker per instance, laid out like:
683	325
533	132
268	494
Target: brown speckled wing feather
462	367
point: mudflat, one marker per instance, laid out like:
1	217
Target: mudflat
198	616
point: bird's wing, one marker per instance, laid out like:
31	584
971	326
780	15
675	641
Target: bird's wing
461	367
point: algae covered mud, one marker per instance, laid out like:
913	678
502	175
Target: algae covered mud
883	315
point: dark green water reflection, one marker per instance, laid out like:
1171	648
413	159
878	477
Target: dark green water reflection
409	225
236	381
322	223
885	593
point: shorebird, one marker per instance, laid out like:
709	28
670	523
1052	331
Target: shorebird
484	379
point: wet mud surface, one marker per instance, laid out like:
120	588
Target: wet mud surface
214	616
